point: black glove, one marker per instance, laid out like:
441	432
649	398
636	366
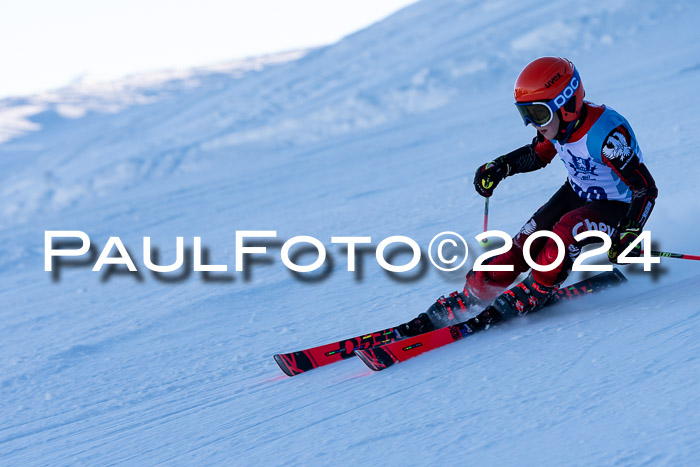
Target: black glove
625	233
489	175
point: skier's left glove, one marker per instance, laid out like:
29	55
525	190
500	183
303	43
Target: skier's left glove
625	234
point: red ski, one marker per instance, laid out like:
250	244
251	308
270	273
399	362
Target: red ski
383	356
294	363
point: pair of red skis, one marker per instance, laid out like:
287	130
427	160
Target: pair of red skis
381	349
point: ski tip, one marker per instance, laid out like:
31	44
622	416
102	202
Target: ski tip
375	358
295	363
283	366
618	274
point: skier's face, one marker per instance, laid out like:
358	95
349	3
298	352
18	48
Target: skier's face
549	131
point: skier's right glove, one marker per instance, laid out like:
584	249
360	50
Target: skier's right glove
489	175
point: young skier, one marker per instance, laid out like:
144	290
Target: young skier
608	188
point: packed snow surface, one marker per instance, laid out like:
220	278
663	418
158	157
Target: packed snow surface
377	135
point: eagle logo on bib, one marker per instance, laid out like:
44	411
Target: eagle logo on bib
617	146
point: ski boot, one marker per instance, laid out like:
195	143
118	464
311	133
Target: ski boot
526	297
445	311
484	319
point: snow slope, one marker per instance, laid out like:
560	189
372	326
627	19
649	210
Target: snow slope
376	135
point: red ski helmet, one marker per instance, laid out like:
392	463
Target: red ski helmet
547	85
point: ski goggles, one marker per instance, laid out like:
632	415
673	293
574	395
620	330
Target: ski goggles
537	113
542	112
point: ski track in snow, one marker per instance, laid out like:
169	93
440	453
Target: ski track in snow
376	135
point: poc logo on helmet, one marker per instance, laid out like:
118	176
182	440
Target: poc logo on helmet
566	94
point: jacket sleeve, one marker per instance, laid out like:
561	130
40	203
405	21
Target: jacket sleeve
617	154
530	157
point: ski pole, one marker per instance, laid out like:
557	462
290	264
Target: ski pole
486	219
666	254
